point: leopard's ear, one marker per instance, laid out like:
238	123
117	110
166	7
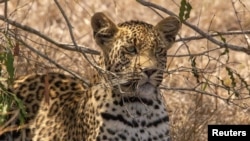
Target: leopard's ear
103	28
168	29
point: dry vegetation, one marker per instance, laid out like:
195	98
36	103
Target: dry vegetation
191	109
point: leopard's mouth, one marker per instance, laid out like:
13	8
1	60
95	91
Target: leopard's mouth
131	83
136	84
136	81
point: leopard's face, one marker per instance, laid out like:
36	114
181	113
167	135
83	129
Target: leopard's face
135	51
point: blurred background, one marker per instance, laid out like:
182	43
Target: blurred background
204	83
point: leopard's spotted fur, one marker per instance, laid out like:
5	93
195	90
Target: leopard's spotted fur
124	103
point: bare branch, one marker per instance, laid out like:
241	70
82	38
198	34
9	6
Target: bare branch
12	119
2	1
229	33
6	13
34	31
13	128
49	59
73	39
195	28
239	22
202	92
68	24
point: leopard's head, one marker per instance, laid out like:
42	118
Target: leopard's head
135	51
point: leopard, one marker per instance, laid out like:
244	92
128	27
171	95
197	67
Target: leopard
124	101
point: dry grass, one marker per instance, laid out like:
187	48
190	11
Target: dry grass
190	112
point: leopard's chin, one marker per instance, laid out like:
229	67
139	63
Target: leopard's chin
147	90
147	87
139	83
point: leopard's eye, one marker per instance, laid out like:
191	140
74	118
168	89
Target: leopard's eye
131	49
158	50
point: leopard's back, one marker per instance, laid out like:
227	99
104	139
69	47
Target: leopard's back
50	102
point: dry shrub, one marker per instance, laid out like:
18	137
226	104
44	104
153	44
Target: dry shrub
190	111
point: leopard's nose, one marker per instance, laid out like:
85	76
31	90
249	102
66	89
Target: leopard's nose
149	72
